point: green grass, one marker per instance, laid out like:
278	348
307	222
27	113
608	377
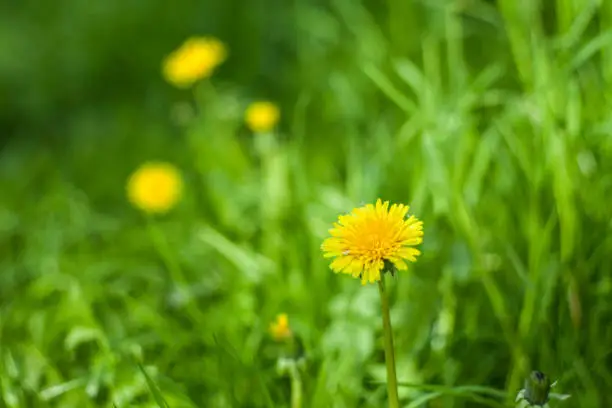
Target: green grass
491	119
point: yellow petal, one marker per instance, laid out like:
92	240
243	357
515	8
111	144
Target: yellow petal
409	253
341	263
399	263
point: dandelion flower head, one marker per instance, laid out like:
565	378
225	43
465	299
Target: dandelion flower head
262	116
363	241
196	59
155	187
279	329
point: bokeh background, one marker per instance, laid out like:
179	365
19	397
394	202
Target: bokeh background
492	119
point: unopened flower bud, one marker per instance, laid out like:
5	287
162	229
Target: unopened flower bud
537	388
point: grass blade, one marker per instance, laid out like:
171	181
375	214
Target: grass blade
159	399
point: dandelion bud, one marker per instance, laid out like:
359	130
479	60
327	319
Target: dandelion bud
537	388
280	329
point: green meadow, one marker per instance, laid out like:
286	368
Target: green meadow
491	119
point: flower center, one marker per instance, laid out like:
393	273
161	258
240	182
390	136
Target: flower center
376	248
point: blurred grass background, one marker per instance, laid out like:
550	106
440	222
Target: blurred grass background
490	118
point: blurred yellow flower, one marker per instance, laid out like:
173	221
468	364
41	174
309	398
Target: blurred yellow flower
279	329
363	241
195	59
155	187
262	116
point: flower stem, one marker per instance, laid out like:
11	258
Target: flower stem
296	386
174	268
167	256
389	353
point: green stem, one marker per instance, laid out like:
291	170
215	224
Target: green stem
164	250
389	353
296	386
203	92
173	267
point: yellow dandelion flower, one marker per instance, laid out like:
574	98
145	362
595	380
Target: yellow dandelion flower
363	241
155	187
262	116
196	59
279	329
